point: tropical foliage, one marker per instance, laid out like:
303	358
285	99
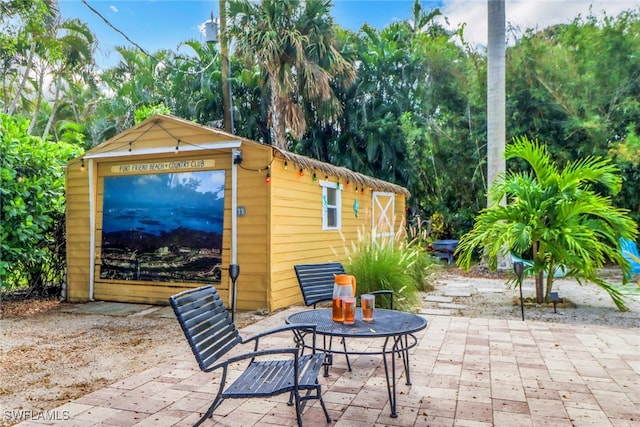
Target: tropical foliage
293	43
398	265
32	206
562	217
406	103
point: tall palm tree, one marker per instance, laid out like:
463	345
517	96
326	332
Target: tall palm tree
293	43
557	215
71	60
25	29
496	99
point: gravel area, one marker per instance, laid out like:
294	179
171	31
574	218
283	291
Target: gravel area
490	297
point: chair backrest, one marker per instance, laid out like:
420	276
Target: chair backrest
206	324
316	281
629	247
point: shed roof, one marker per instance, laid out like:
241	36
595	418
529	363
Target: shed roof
343	173
154	131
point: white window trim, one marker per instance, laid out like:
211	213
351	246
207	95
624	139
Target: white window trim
325	185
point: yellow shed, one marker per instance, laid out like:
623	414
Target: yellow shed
169	205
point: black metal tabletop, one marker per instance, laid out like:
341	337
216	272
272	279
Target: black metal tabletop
386	323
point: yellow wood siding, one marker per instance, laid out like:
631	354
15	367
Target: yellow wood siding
281	227
137	292
297	234
253	243
77	231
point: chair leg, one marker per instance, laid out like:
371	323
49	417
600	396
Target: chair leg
324	408
317	396
298	405
216	402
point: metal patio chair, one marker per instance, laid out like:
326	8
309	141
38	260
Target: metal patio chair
212	334
316	284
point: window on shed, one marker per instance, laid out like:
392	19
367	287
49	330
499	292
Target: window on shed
331	205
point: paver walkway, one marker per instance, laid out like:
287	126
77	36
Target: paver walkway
465	372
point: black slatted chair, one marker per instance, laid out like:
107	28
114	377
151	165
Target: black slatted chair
316	284
212	334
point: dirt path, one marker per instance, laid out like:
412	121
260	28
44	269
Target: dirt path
50	357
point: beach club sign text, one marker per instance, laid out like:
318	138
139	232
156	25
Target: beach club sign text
168	166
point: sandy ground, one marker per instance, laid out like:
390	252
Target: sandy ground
492	298
51	355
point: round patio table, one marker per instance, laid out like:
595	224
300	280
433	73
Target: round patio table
396	328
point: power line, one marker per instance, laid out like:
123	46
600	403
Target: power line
106	21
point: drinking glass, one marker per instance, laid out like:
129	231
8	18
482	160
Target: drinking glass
349	310
368	302
337	311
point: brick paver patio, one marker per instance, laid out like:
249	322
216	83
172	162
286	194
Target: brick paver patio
465	372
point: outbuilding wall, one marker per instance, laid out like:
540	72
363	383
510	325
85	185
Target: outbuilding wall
78	231
278	222
296	226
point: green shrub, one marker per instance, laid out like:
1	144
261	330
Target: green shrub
398	265
31	206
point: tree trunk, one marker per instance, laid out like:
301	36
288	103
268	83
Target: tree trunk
278	133
540	287
36	110
54	108
227	107
496	99
23	83
539	277
549	286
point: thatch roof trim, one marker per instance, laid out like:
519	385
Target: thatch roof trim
307	163
345	175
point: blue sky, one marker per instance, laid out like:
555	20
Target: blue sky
164	24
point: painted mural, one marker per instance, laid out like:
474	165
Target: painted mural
163	227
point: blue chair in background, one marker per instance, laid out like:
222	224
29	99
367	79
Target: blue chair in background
629	251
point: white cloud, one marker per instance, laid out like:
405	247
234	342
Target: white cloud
537	14
113	8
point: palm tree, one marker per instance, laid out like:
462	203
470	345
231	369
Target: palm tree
71	59
496	98
293	43
557	215
495	92
26	26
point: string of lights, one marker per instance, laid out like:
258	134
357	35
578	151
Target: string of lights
317	169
